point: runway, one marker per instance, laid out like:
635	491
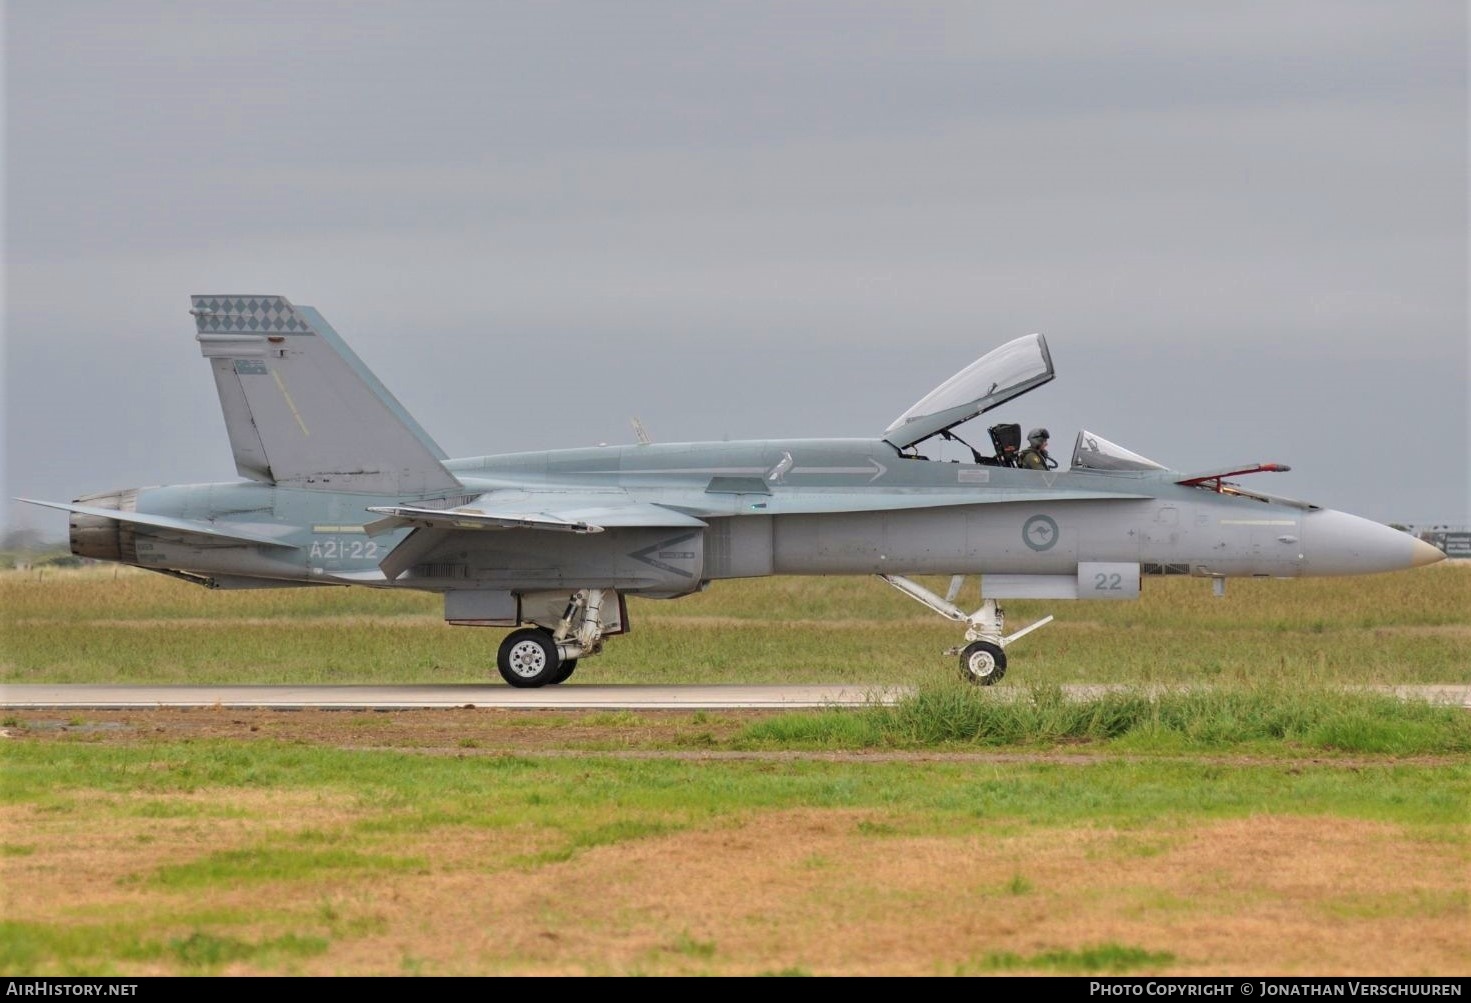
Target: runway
566	697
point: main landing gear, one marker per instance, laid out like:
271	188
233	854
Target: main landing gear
983	660
535	656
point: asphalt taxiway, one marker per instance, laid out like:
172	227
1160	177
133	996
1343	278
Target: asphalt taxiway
570	696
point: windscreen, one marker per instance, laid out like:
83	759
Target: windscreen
1094	452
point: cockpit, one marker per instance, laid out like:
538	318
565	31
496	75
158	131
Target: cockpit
999	376
995	378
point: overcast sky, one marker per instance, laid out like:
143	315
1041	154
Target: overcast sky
1242	227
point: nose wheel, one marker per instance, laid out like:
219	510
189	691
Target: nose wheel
982	663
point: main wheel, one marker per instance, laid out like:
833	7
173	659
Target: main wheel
982	663
568	664
528	658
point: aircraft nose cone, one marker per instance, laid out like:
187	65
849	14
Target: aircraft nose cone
1336	543
1424	554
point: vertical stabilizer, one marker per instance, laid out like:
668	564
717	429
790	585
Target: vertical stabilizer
302	410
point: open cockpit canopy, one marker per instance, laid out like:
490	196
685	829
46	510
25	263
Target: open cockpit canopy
990	381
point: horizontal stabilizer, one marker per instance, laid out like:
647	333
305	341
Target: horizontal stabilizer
188	527
302	410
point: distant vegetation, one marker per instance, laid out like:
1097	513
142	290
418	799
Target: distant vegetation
25	548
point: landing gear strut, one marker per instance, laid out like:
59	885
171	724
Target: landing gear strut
982	661
535	656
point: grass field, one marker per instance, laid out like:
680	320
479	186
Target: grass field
1276	823
121	625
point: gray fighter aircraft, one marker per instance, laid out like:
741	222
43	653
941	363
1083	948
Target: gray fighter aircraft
345	488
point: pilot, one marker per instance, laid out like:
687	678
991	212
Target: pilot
1035	457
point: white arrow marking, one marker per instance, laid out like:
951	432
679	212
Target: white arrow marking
875	468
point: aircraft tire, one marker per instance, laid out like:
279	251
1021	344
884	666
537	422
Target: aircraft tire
528	658
568	664
982	663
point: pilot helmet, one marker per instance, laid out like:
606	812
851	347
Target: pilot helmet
1037	436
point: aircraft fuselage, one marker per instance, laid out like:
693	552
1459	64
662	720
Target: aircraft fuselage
789	507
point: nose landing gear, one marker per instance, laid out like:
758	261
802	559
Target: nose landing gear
983	659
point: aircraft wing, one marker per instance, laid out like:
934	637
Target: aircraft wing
208	531
558	511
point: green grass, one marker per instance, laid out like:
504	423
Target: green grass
1103	959
591	800
28	947
279	863
1290	719
126	626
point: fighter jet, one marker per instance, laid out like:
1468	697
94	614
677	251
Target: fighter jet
343	487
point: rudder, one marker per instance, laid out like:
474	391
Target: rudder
302	410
